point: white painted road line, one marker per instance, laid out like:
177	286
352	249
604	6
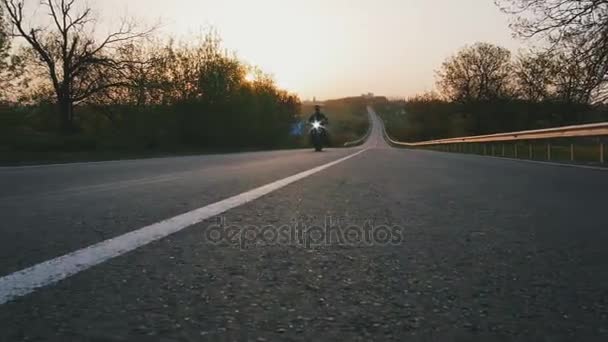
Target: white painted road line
29	280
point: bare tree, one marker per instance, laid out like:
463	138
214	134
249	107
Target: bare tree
575	78
4	37
140	77
4	49
78	64
476	73
578	27
535	75
559	20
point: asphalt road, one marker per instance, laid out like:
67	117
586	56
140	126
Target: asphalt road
461	248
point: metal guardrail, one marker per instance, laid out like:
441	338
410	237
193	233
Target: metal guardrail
487	144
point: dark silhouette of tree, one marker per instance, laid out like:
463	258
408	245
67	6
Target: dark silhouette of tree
575	78
535	75
203	93
79	65
134	93
561	76
4	37
5	45
578	27
476	73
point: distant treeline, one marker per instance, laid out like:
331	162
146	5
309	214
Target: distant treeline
484	89
427	118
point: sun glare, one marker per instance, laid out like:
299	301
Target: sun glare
250	77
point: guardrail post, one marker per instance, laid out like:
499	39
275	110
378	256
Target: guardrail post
485	149
516	151
503	150
492	150
571	152
602	157
548	151
531	151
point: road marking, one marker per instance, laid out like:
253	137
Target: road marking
49	272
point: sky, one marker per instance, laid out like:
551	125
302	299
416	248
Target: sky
334	48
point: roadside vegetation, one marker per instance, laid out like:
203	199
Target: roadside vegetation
68	93
484	88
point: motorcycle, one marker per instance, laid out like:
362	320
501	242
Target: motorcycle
318	135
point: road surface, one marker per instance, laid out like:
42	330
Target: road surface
476	248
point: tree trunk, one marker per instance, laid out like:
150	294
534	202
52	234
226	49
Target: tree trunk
66	112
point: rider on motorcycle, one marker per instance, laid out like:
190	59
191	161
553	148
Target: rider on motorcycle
320	119
318	116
